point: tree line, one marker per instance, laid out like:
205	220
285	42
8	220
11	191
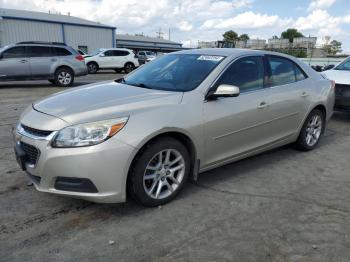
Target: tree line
331	48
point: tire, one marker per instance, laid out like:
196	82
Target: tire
52	81
153	180
92	67
64	77
118	70
311	131
129	67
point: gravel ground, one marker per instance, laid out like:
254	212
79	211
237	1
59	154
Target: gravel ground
283	205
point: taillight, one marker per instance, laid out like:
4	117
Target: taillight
79	57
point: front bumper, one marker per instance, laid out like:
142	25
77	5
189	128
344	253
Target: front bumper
105	165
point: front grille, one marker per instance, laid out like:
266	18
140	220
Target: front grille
36	132
339	88
32	153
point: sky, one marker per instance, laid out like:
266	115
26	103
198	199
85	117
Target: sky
191	21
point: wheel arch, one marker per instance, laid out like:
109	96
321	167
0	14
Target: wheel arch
93	61
64	66
179	136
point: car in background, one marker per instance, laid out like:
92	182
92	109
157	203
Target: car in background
340	74
112	58
56	62
145	56
184	113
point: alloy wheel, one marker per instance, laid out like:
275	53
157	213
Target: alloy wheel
164	173
313	130
64	78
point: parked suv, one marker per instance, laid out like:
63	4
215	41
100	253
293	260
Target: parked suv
145	56
113	58
55	62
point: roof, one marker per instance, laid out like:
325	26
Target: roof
221	51
146	39
46	17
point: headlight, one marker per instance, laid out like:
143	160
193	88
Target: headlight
88	134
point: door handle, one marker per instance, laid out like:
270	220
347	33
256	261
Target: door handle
262	105
23	61
304	94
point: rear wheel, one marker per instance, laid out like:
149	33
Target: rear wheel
64	77
159	172
129	67
311	131
92	67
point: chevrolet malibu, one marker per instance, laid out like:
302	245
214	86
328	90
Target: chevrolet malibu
185	113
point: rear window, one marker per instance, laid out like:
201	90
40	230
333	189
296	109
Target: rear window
59	51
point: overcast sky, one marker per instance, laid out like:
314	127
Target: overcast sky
204	20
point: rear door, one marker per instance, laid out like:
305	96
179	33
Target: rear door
120	57
14	64
40	60
289	96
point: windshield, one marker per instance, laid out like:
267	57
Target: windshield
174	72
345	65
96	52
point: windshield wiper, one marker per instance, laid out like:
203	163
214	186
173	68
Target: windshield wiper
142	85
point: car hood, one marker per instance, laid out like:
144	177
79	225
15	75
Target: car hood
339	76
106	100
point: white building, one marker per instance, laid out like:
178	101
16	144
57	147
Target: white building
19	25
278	43
256	44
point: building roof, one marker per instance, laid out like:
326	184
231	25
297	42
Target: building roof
46	17
145	39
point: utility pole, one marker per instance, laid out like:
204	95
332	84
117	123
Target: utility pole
169	34
160	33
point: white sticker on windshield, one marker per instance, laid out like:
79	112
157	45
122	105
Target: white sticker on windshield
210	58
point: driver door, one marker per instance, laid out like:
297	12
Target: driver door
237	125
14	64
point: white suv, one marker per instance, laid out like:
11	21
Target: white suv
113	58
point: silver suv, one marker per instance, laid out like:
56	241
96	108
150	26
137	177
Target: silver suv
184	113
55	62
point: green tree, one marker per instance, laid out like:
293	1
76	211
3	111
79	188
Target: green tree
291	33
335	47
243	37
230	36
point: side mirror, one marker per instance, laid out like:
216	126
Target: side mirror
224	91
102	55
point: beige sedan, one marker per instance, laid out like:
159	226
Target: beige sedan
179	115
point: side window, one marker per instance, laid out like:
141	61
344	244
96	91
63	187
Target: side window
59	51
247	73
142	53
39	51
15	52
109	53
284	71
120	53
344	66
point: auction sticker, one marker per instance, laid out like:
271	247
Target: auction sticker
210	58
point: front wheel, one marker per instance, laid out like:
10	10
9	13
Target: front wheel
92	68
311	131
159	172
